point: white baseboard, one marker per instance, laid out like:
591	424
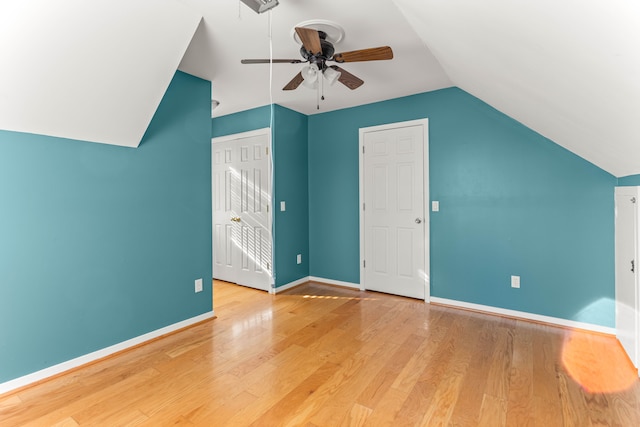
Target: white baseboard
335	282
291	285
526	316
98	354
316	279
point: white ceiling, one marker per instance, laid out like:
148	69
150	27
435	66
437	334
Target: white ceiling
568	69
97	70
89	70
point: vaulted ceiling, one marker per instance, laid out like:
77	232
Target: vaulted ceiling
89	70
568	69
97	70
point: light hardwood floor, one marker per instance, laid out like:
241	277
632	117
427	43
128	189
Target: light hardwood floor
319	355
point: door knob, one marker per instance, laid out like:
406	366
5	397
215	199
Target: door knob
235	219
418	220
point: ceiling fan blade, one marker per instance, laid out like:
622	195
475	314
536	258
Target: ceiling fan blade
274	61
371	54
310	39
348	79
294	83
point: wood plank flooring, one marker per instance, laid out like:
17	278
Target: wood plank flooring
319	355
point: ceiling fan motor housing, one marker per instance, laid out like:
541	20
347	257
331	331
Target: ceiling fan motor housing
327	52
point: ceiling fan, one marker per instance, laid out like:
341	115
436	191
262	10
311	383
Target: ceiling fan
317	51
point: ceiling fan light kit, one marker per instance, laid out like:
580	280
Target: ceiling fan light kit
310	76
260	6
331	75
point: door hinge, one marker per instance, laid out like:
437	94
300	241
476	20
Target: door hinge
266	149
364	263
363	208
363	149
267	208
268	266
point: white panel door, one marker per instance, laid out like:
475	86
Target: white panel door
241	185
627	303
395	223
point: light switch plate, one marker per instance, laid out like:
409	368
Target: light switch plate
198	285
283	206
299	258
435	206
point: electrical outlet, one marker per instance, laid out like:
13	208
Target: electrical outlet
299	258
515	281
198	285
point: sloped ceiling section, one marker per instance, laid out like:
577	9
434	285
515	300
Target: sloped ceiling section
89	70
568	69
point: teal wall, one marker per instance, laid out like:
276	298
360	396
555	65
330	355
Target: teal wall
100	244
511	203
629	181
291	227
291	185
244	121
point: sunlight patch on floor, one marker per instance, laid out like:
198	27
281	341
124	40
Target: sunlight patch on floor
337	297
598	363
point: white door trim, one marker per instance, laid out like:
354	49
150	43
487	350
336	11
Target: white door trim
220	139
425	127
626	308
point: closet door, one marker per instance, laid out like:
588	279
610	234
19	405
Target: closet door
627	295
241	195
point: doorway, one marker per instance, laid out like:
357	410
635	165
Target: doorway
394	219
241	199
627	294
